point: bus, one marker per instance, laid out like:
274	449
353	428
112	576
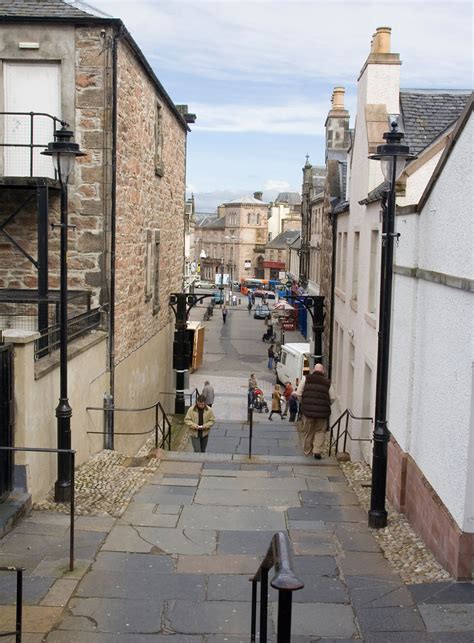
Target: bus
253	284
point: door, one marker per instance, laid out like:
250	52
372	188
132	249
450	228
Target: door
30	87
6	419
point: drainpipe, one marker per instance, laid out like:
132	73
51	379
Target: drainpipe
333	285
109	396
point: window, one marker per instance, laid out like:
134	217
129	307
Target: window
374	239
258	218
355	265
344	261
158	140
248	219
152	268
340	347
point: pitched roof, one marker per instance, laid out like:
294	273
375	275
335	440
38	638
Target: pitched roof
284	239
214	224
426	114
460	125
48	9
246	200
292	198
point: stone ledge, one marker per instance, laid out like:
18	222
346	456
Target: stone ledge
49	363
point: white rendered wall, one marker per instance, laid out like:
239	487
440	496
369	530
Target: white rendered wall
431	381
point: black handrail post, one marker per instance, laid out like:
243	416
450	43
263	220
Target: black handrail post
284	617
156	426
253	618
250	429
263	605
19	604
345	433
31	142
72	507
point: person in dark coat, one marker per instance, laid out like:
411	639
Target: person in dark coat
293	407
316	396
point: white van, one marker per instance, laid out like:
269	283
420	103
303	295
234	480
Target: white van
294	363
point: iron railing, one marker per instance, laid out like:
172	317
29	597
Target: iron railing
285	581
28	138
72	455
6	419
250	421
19	603
345	433
77	326
164	428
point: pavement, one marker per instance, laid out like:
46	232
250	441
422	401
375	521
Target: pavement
176	565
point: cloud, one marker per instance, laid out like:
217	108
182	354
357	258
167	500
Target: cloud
306	119
271	40
276	184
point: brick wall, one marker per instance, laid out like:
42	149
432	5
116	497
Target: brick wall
145	200
452	547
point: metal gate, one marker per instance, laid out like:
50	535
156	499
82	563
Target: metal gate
6	419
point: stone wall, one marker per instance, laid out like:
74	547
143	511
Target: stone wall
146	200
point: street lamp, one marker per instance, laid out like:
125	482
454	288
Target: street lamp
393	156
63	152
232	238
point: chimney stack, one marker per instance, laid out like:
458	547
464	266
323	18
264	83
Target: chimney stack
258	196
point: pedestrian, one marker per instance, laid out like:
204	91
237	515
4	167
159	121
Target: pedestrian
271	355
293	406
276	402
249	306
199	420
234	300
253	384
317	395
288	390
208	393
253	298
224	313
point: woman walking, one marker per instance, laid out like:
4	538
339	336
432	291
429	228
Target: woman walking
276	402
199	420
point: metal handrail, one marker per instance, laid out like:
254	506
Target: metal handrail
279	556
19	602
72	455
77	326
345	433
166	435
31	145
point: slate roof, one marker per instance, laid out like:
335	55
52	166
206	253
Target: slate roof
47	9
426	114
292	198
214	224
247	200
284	239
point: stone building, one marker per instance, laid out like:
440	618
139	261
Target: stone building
277	254
284	214
126	201
235	240
428	120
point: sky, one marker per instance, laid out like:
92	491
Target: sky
259	75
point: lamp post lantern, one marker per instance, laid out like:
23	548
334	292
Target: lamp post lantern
63	151
393	156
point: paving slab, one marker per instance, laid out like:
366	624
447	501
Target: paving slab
229	587
357	563
114	615
107	561
209	617
232	518
248	481
179	541
316	498
233	474
60	592
354	537
59	568
310	543
220	564
167	466
158	495
443	592
147	514
247	498
35	618
146	585
324	512
322	619
389	619
61	636
447	617
34	588
244	542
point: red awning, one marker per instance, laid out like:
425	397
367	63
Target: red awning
280	265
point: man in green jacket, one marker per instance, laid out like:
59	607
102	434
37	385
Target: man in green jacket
199	420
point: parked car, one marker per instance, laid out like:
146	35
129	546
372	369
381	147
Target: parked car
267	294
262	311
218	297
204	284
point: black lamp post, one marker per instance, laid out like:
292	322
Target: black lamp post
393	156
314	304
63	152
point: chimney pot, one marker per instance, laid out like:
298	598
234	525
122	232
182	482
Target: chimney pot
258	195
338	98
381	40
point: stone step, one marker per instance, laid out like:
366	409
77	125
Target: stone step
190	456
